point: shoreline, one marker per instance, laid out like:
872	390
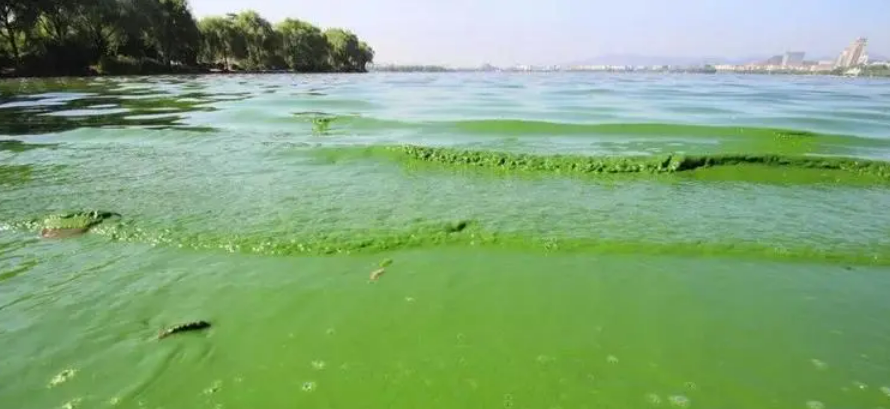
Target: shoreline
174	73
187	72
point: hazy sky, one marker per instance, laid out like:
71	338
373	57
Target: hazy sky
471	32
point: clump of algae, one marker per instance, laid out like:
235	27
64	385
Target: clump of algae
70	221
665	164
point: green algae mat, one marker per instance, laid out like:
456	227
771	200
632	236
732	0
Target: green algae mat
445	241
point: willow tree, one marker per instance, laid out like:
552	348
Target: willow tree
219	40
261	41
174	32
304	46
348	54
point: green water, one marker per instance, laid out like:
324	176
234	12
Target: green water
558	241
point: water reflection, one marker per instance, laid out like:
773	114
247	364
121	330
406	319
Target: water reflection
33	107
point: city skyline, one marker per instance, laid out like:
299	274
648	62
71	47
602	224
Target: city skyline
501	32
851	61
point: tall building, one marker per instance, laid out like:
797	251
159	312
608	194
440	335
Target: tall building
793	59
852	54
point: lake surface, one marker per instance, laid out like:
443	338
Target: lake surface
754	275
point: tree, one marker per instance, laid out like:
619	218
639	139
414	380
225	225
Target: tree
77	37
304	46
221	39
260	40
17	17
364	57
213	31
348	54
55	22
173	32
100	21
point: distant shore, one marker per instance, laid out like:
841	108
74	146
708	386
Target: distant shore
181	70
879	70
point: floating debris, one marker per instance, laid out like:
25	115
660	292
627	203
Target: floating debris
814	404
691	386
189	326
322	124
376	274
63	376
612	359
886	390
308	386
318	365
385	263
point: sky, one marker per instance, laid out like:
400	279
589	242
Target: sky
507	32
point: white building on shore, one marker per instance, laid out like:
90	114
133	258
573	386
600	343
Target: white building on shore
853	54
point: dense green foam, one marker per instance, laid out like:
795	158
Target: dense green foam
451	234
750	167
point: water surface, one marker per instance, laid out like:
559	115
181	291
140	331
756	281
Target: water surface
262	203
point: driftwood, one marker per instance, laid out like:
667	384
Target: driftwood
189	326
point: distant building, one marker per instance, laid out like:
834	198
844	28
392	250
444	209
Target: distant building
851	56
841	58
822	66
793	59
774	60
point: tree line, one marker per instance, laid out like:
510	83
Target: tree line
83	37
